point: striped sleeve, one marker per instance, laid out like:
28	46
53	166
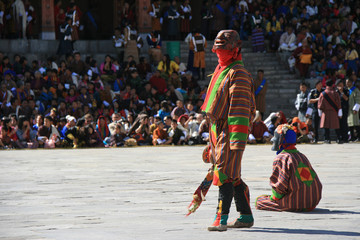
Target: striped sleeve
240	107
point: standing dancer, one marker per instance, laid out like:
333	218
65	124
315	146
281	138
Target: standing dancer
230	105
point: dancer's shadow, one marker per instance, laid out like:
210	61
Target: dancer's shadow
327	211
302	231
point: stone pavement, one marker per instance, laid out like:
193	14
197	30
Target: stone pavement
143	192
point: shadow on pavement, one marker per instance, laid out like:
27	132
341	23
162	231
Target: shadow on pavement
327	211
303	231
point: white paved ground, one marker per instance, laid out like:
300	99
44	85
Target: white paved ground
143	192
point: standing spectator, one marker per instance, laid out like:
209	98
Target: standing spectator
172	25
119	43
30	19
313	98
206	16
2	11
304	59
131	37
329	105
354	107
65	45
342	133
261	86
219	11
352	58
185	15
156	19
198	44
257	36
301	102
154	41
73	14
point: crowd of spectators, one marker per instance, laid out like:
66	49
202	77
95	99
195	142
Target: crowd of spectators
78	102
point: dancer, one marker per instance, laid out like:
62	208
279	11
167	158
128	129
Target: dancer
230	105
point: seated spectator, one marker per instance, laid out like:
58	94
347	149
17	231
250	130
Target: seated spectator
301	129
107	69
178	110
259	132
117	137
144	68
204	130
102	128
167	122
164	110
158	81
301	102
69	131
287	40
182	125
193	124
47	135
5	141
26	135
160	136
153	126
176	135
92	137
274	122
333	63
142	130
167	66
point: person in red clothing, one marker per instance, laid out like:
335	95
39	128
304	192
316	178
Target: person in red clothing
157	81
259	132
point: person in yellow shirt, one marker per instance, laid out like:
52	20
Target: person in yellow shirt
167	66
352	58
273	32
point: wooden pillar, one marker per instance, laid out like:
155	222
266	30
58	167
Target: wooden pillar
143	18
48	22
118	6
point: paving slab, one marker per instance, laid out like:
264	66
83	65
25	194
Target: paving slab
143	192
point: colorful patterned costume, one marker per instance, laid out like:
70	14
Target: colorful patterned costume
295	184
230	104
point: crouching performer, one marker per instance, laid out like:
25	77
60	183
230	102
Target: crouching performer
230	105
295	184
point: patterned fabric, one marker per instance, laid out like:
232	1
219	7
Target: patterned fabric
230	104
295	184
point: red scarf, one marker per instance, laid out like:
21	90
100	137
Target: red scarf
226	57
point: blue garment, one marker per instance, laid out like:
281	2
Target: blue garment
63	131
162	114
332	65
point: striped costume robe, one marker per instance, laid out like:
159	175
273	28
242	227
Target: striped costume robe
295	184
230	104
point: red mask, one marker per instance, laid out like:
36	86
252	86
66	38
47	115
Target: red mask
227	56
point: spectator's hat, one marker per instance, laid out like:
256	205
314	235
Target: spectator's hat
183	116
70	118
